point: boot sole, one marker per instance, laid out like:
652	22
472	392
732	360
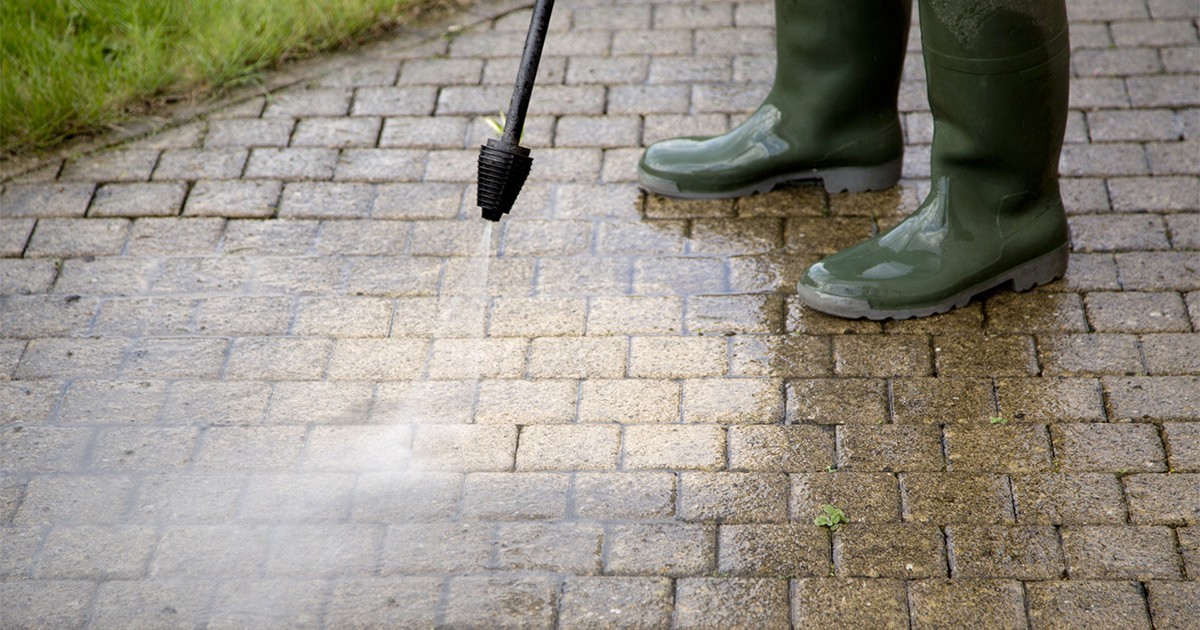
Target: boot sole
1035	273
850	179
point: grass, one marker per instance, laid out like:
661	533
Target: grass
73	67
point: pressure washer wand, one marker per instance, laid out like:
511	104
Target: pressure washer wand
503	165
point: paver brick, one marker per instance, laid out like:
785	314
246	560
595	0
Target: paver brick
790	448
71	358
152	603
138	199
1090	354
557	447
1163	499
956	498
1153	397
892	550
1120	553
889	448
66	238
1078	604
1183	446
605	602
837	401
138	449
691	447
731	602
1000	355
1173	604
1108	447
48	603
324	550
211	550
864	497
234	199
733	497
396	600
773	550
1017	448
677	357
745	401
1137	312
527	402
93	551
1068	499
394	496
941	400
45	199
938	603
501	496
670	549
624	495
499	600
871	603
559	547
465	447
990	551
1050	399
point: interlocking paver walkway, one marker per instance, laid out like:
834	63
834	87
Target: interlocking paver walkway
268	368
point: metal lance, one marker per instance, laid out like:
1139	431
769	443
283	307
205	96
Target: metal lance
503	164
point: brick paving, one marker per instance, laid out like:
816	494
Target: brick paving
267	368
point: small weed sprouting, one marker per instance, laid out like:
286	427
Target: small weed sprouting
830	517
831	469
497	124
1001	420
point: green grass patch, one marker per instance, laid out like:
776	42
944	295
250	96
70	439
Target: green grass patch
72	67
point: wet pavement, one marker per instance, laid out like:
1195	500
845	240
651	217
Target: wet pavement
268	369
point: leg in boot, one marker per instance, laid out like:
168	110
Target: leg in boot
830	115
998	73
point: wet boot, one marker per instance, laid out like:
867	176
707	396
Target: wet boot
830	115
998	73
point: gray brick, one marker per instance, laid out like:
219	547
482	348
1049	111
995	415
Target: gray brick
324	550
249	448
558	547
187	498
837	401
243	199
71	358
278	359
1133	125
411	132
668	549
966	602
358	131
624	495
391	601
31	316
319	402
1137	194
112	402
211	551
201	164
299	602
762	603
74	499
1183	446
45	603
600	602
629	400
1164	90
733	497
777	550
172	236
29	402
308	102
139	449
1156	499
1121	553
122	165
295	163
643	41
88	551
216	403
175	358
865	497
66	238
151	199
891	550
505	601
13	239
424	548
252	132
876	603
291	498
326	201
153	603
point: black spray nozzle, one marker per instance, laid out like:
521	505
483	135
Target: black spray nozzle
503	164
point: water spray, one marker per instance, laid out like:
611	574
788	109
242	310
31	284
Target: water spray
504	164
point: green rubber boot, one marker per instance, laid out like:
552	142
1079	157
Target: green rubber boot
830	115
998	73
